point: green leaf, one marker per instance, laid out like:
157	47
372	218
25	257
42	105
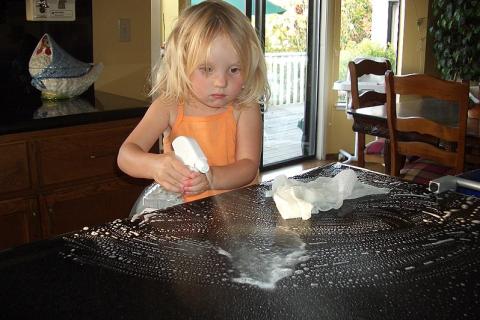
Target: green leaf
455	30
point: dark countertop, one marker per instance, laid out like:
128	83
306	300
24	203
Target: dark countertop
31	113
409	255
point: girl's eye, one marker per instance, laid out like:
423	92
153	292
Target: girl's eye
235	70
206	69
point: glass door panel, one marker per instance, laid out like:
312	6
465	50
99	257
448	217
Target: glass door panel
287	136
286	55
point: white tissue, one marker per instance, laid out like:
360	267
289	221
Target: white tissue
296	199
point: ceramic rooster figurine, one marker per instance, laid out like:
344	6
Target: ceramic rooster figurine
57	74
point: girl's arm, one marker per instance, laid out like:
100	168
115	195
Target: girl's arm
135	160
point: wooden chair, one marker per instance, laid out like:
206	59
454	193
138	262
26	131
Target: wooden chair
422	137
373	152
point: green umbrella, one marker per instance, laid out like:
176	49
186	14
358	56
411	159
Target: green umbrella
240	4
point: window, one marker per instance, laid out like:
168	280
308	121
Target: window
368	28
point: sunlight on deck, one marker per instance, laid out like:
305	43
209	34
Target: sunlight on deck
282	137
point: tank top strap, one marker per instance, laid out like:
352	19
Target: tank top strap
179	117
231	112
180	112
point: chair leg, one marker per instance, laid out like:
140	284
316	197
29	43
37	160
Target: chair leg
397	165
361	150
387	157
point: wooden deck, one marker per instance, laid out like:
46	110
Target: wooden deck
282	137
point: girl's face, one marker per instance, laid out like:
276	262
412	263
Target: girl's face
218	82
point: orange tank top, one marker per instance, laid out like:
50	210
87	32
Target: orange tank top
215	134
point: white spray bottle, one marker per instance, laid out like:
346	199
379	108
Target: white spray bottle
155	196
188	150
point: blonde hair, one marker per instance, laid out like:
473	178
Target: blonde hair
189	44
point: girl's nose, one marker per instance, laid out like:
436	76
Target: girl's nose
220	80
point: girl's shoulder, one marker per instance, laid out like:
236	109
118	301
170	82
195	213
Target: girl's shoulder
238	110
164	104
167	108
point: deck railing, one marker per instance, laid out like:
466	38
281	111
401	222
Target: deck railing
287	73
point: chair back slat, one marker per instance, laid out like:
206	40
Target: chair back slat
371	98
429	86
426	126
427	151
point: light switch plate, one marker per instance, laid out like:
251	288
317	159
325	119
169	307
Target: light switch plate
124	31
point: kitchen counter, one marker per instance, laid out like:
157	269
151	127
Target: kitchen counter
58	161
30	113
409	254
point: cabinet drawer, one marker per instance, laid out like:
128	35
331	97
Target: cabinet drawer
19	222
89	205
79	156
14	173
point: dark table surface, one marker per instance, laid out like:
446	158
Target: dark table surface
28	112
409	254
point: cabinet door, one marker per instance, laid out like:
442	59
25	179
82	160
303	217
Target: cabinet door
19	222
79	156
89	205
14	173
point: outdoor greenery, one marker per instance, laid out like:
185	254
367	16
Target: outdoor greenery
355	36
288	32
365	48
456	35
356	17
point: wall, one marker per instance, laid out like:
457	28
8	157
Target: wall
170	13
412	56
413	35
339	130
126	64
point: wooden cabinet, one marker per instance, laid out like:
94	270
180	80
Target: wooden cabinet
87	205
14	172
60	180
19	222
79	156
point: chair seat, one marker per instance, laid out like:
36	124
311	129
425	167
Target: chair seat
376	147
422	171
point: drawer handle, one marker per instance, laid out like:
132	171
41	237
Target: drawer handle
101	155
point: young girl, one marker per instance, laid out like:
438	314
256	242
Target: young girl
208	86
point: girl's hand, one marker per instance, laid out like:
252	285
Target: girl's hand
171	173
197	184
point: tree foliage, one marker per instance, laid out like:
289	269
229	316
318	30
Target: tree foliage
288	32
356	33
356	21
366	48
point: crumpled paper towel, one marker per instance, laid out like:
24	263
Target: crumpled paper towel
296	199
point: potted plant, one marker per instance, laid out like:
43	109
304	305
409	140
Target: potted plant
456	38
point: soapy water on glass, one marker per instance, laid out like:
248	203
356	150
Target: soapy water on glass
401	239
154	196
